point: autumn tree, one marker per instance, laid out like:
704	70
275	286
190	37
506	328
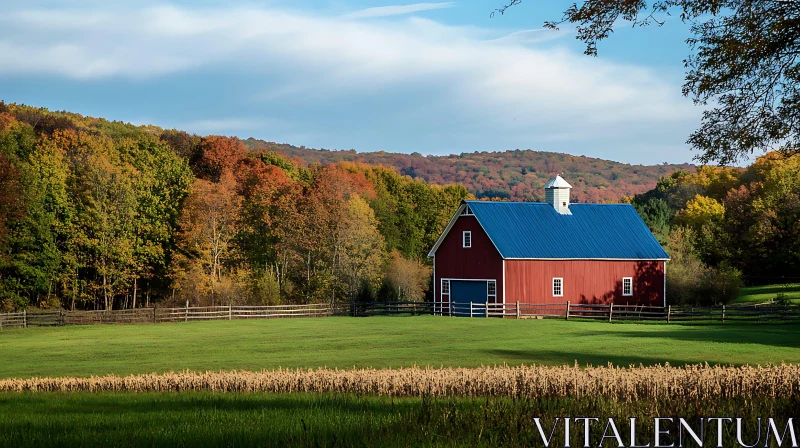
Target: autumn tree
270	219
409	277
218	154
358	246
207	229
105	198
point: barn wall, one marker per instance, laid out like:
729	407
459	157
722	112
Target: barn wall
481	261
585	281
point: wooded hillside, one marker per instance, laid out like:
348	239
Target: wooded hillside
722	226
96	214
103	215
517	175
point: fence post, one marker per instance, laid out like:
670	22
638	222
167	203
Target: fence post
487	308
230	312
470	309
723	314
610	311
450	308
567	314
25	318
517	309
154	313
669	312
186	313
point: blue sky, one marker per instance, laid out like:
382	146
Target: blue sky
435	78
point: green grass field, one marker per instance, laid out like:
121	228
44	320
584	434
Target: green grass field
760	294
207	419
346	342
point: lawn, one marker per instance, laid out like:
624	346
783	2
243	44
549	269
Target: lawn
761	294
206	419
345	342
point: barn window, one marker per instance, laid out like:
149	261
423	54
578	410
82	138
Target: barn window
467	239
558	287
491	288
467	211
445	286
627	286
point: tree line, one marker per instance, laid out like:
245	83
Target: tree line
516	175
726	226
97	214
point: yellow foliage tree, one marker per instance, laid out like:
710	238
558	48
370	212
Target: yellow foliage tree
699	211
359	246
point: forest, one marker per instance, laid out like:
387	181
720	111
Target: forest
516	175
725	226
97	214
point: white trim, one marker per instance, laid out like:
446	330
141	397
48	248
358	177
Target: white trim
465	235
487	280
504	281
434	285
665	284
471	279
450	226
560	285
589	259
630	294
446	230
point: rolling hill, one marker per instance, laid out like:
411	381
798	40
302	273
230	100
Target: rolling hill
516	175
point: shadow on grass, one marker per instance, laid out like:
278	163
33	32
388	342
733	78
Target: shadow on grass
197	419
752	293
529	357
787	336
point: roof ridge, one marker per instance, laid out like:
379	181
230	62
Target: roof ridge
541	203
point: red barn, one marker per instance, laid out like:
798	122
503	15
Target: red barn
548	252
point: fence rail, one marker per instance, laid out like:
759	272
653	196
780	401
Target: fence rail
758	313
156	315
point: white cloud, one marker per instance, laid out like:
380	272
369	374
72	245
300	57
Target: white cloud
396	10
230	124
534	36
448	79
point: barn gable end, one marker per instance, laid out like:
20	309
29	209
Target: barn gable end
481	262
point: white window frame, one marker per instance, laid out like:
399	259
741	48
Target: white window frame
560	281
466	239
489	292
467	212
630	286
446	291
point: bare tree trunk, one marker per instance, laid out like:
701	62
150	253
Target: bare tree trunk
105	291
134	291
74	287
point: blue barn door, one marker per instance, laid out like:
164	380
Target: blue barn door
463	292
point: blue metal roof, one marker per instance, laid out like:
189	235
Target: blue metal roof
592	231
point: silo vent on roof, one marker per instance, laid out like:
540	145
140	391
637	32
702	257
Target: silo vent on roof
556	193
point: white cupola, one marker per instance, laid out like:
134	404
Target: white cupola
556	193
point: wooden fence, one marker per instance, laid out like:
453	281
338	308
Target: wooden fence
756	313
155	315
761	313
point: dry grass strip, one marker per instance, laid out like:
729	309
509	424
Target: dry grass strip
696	382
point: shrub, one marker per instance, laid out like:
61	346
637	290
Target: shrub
689	281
